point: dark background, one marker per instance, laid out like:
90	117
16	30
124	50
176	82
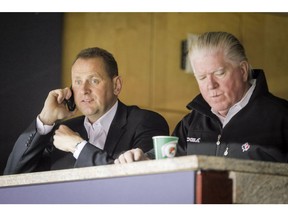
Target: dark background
30	66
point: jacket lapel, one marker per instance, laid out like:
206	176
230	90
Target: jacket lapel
116	129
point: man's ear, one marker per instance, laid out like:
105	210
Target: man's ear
117	84
244	66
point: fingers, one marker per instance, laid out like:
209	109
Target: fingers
66	139
138	154
130	156
126	157
63	129
116	161
61	94
54	106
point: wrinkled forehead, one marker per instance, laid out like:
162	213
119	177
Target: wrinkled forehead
89	67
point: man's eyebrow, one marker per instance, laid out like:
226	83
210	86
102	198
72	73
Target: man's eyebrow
218	69
96	75
214	71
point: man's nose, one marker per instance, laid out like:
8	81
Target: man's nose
85	88
211	82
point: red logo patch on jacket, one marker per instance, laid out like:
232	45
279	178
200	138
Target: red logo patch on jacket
245	147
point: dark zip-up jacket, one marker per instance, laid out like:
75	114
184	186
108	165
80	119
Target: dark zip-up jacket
259	131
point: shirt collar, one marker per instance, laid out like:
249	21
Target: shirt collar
104	121
238	106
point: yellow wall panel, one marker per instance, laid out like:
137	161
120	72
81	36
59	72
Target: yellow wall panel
265	38
147	47
126	35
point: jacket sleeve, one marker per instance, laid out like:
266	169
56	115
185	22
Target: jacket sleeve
92	156
149	125
27	153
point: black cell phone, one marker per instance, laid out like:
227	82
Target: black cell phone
70	102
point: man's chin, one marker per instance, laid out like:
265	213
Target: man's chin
221	111
87	111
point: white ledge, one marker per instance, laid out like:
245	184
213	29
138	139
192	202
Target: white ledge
185	163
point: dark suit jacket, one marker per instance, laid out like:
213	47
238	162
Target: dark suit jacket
131	127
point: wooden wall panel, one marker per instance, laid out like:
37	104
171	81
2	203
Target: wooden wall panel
265	38
73	42
147	48
126	35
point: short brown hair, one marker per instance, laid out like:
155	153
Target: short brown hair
96	52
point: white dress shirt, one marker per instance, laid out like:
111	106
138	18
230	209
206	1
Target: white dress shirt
97	132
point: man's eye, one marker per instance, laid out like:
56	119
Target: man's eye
78	82
95	81
201	77
219	73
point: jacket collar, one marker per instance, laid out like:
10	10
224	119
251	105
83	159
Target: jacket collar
261	83
199	104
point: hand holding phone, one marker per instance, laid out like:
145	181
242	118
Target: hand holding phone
70	102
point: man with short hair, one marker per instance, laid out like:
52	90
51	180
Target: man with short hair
107	128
